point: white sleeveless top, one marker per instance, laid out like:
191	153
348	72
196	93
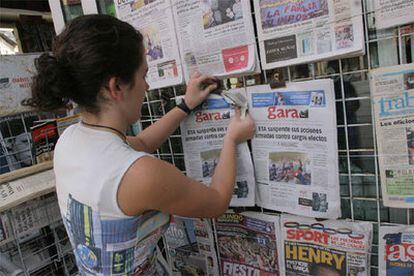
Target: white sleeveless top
89	165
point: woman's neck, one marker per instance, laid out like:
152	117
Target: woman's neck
106	120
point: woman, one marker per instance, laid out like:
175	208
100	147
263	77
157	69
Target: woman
115	198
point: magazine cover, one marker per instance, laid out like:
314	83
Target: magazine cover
295	149
396	250
249	244
329	247
202	135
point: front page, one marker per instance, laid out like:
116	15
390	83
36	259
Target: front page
16	76
330	247
299	31
216	37
393	13
295	148
202	134
248	244
154	19
396	250
392	91
191	249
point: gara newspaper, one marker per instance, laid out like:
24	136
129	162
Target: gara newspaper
330	247
202	134
295	148
392	90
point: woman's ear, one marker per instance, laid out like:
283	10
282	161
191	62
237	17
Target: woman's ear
115	89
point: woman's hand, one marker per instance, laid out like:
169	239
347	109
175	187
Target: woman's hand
198	88
240	130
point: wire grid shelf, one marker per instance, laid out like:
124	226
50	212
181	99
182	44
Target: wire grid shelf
360	185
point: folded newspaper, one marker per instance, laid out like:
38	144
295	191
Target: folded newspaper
249	243
154	19
330	247
295	148
396	250
191	250
300	31
202	134
392	90
216	37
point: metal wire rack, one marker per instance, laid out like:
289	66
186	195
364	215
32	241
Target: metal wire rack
360	185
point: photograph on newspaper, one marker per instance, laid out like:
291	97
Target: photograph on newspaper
191	250
396	245
295	148
393	13
216	37
299	31
154	19
329	247
202	135
392	90
249	244
16	76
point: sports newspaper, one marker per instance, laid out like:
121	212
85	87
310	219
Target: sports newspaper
396	250
216	37
248	244
392	90
294	148
202	134
300	31
191	250
154	19
329	247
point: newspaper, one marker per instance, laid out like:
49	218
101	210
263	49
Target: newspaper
202	134
154	19
295	148
330	247
396	255
393	13
216	37
392	90
249	244
15	81
300	31
191	247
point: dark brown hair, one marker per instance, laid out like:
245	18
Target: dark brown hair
90	50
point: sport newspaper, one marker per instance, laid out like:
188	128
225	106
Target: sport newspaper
190	244
295	148
300	31
392	90
154	19
393	13
396	250
216	37
202	134
330	247
248	244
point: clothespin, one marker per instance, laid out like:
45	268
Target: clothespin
277	81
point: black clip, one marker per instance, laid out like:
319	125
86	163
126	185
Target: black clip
277	81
